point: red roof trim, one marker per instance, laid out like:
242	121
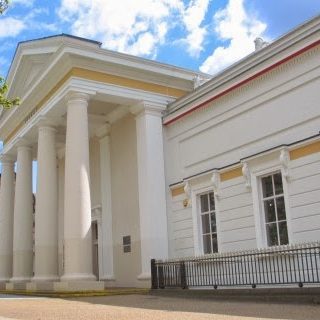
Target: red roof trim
275	65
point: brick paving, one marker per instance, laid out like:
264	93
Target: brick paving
146	307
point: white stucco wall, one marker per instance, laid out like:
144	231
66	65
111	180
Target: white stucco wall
125	206
279	108
304	191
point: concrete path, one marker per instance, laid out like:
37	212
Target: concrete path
146	307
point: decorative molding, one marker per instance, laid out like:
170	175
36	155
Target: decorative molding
147	107
187	191
215	180
284	161
246	174
98	77
173	117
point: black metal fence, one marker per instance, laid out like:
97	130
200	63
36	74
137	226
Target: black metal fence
282	265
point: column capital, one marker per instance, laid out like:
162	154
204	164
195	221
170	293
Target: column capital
103	131
146	107
46	128
45	122
78	97
23	146
6	159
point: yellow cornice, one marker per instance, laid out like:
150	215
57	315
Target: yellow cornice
305	150
99	77
231	174
177	191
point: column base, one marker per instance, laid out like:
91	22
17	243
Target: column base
16	286
20	279
144	276
78	277
49	278
63	286
108	278
3	285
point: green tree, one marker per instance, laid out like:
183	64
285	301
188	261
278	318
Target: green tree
6	103
3	5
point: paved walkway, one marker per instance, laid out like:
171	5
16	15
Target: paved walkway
146	307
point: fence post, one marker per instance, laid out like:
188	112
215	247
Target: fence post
183	275
161	276
154	275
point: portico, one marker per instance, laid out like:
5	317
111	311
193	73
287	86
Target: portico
92	119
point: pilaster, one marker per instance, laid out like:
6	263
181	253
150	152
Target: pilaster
106	203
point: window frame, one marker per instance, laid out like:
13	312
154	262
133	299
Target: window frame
196	192
259	213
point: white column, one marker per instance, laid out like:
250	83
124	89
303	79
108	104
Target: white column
77	204
6	218
106	204
151	178
23	218
46	216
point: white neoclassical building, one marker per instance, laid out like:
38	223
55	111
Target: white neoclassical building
139	160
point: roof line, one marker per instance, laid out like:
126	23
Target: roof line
241	83
63	35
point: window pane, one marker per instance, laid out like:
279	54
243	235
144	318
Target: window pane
204	203
211	200
214	243
281	210
213	222
126	240
278	183
267	188
283	231
206	244
269	210
205	223
272	234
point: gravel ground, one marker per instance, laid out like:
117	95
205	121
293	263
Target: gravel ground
148	308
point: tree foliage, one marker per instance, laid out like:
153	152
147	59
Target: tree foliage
5	102
3	5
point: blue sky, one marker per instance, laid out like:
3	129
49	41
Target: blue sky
198	34
206	35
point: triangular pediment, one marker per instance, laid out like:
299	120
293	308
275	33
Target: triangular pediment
30	68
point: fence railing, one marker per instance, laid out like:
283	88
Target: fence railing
297	264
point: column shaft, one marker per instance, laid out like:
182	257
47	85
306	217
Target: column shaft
46	217
6	219
23	218
77	203
152	198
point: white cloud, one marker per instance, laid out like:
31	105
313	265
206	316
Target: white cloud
238	26
193	18
135	27
11	27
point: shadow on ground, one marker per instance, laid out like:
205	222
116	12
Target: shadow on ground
210	306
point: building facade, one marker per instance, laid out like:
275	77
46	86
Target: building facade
136	161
